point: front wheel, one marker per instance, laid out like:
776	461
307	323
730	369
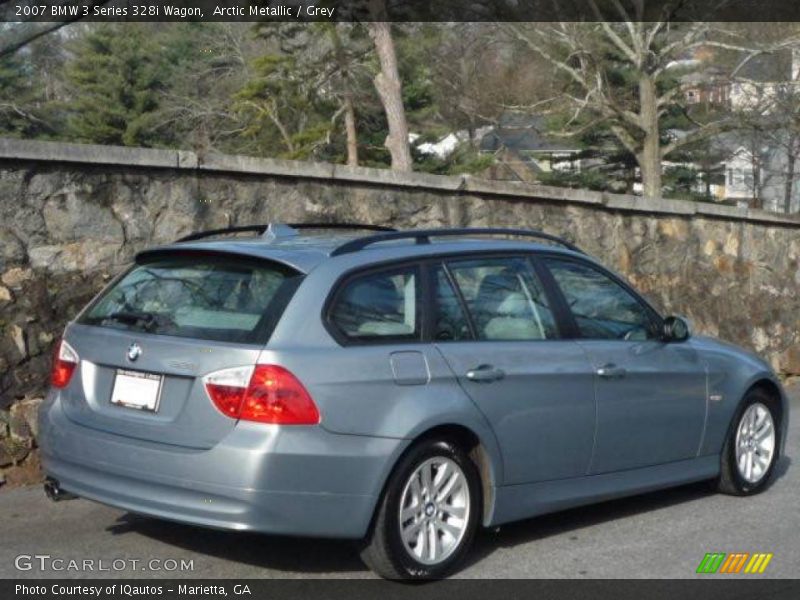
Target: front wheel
751	449
428	514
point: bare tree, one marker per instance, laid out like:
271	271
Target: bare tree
16	36
780	124
791	147
774	144
196	108
767	110
591	55
471	81
389	88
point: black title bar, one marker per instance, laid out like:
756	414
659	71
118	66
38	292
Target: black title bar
400	10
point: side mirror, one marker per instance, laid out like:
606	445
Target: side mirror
675	329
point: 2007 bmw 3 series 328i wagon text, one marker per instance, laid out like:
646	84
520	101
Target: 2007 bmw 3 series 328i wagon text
402	388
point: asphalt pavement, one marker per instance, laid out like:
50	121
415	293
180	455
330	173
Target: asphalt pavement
660	535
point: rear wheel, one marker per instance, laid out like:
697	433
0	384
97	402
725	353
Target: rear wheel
428	514
751	449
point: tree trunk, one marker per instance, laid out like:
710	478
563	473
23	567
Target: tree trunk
630	180
649	158
387	83
287	139
347	101
350	129
755	171
791	161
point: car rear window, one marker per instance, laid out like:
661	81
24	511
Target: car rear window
379	307
227	299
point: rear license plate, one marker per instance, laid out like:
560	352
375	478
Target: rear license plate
134	389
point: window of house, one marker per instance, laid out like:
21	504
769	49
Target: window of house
736	177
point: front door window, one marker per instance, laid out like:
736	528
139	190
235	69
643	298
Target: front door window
602	308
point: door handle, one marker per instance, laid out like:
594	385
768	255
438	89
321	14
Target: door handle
611	371
485	374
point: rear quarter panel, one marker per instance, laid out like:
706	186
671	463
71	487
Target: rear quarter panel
355	387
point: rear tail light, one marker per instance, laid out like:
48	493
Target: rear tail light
264	393
65	359
227	389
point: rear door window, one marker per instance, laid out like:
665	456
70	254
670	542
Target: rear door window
505	299
379	306
204	297
450	321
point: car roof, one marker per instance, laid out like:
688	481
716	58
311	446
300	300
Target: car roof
304	252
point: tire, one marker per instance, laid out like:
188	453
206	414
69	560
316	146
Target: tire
734	478
385	551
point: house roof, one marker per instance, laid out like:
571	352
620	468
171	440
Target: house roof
524	133
773	67
768	68
703	77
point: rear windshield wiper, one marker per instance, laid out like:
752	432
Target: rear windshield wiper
148	320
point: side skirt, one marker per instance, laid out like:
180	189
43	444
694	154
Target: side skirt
516	502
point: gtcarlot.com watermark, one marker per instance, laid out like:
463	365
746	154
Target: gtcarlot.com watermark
47	562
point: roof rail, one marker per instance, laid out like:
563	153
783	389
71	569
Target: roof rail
263	229
423	236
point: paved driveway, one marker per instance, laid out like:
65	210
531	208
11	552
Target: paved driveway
663	534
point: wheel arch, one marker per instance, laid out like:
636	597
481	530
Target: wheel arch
483	453
772	389
471	443
767	383
775	391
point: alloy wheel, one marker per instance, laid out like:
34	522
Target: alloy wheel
434	510
755	442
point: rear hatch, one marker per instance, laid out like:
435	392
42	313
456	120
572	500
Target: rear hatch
148	340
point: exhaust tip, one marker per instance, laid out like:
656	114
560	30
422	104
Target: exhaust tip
52	489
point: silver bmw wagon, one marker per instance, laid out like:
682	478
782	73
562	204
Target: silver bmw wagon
401	388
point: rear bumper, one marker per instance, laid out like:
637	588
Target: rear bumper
283	480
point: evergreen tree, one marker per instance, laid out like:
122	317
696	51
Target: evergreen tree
27	109
14	88
208	63
284	112
309	94
115	79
